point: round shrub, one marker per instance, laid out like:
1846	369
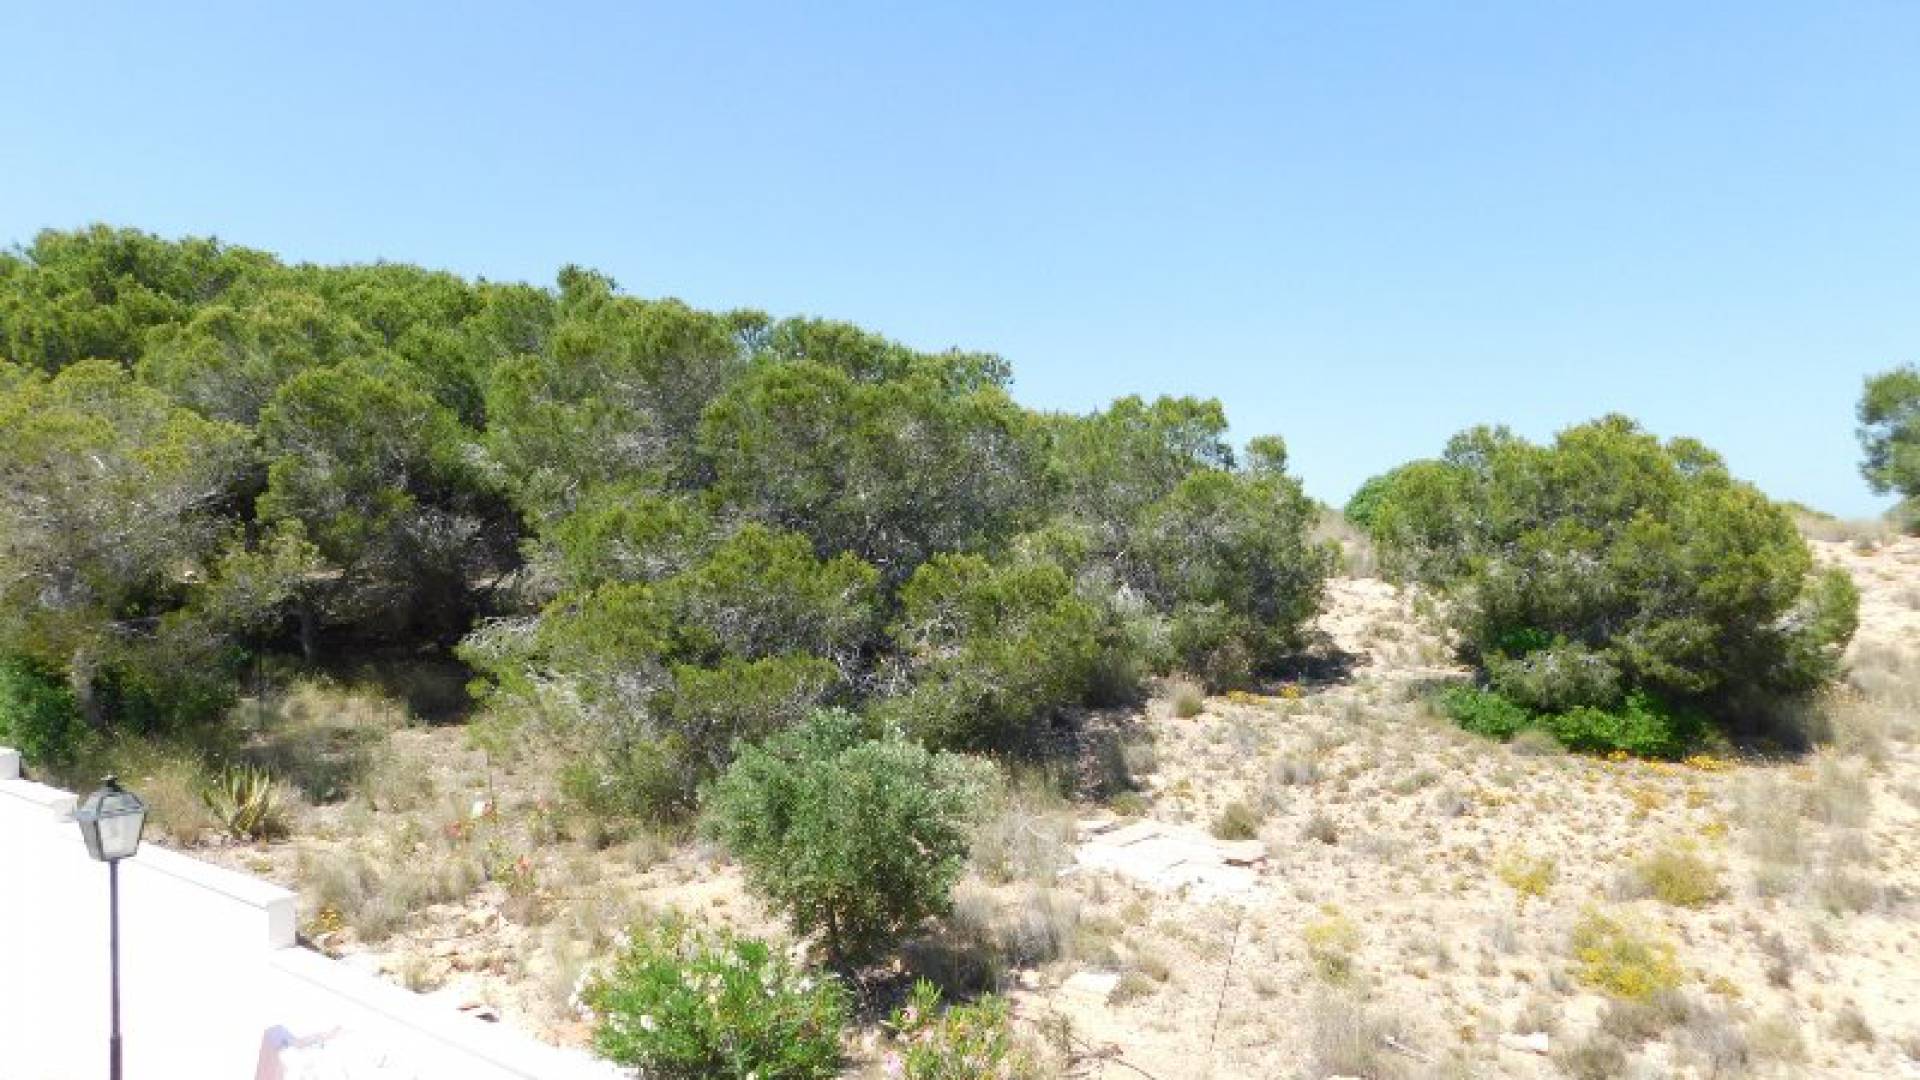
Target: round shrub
681	1003
855	837
1615	590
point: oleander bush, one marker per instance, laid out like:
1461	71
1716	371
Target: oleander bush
681	1003
932	1041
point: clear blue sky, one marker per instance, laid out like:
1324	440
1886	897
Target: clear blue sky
1361	225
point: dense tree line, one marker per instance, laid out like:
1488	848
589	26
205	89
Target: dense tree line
652	530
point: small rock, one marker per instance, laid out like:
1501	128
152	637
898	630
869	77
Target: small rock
1535	1043
1241	852
1094	826
1093	984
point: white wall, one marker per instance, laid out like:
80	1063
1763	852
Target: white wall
208	963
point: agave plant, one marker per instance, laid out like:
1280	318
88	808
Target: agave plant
244	801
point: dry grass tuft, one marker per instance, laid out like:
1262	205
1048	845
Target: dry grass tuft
1238	821
1776	1038
1677	875
1186	699
1331	941
1027	834
1840	794
1348	1039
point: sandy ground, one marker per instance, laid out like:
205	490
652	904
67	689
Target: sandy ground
1447	955
1413	914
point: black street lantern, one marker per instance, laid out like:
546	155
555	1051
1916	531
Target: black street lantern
111	821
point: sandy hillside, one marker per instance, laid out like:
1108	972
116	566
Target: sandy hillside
1408	906
1417	910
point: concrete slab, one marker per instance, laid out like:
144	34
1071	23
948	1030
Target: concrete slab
1134	833
1175	858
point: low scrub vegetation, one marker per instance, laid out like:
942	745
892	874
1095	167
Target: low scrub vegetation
684	1004
1622	961
962	1042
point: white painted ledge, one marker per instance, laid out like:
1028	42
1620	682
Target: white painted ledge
211	962
442	1035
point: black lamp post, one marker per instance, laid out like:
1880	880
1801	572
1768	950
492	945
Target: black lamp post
111	821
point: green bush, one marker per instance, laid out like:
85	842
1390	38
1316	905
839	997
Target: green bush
992	651
1363	508
1638	725
680	1003
37	714
786	809
1616	590
1231	555
1484	713
964	1042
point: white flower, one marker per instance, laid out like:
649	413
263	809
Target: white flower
647	1024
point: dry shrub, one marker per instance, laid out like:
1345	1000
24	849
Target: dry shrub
1320	828
1843	892
1887	674
1776	1037
1237	822
376	897
1850	1025
1634	1020
1346	1038
990	933
1027	834
1132	986
1782	959
397	780
1597	1057
1294	772
1357	557
1677	875
1840	794
1716	1042
319	738
1535	743
1538	1013
1331	941
1186	698
169	778
1140	755
582	930
1865	534
1773	833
